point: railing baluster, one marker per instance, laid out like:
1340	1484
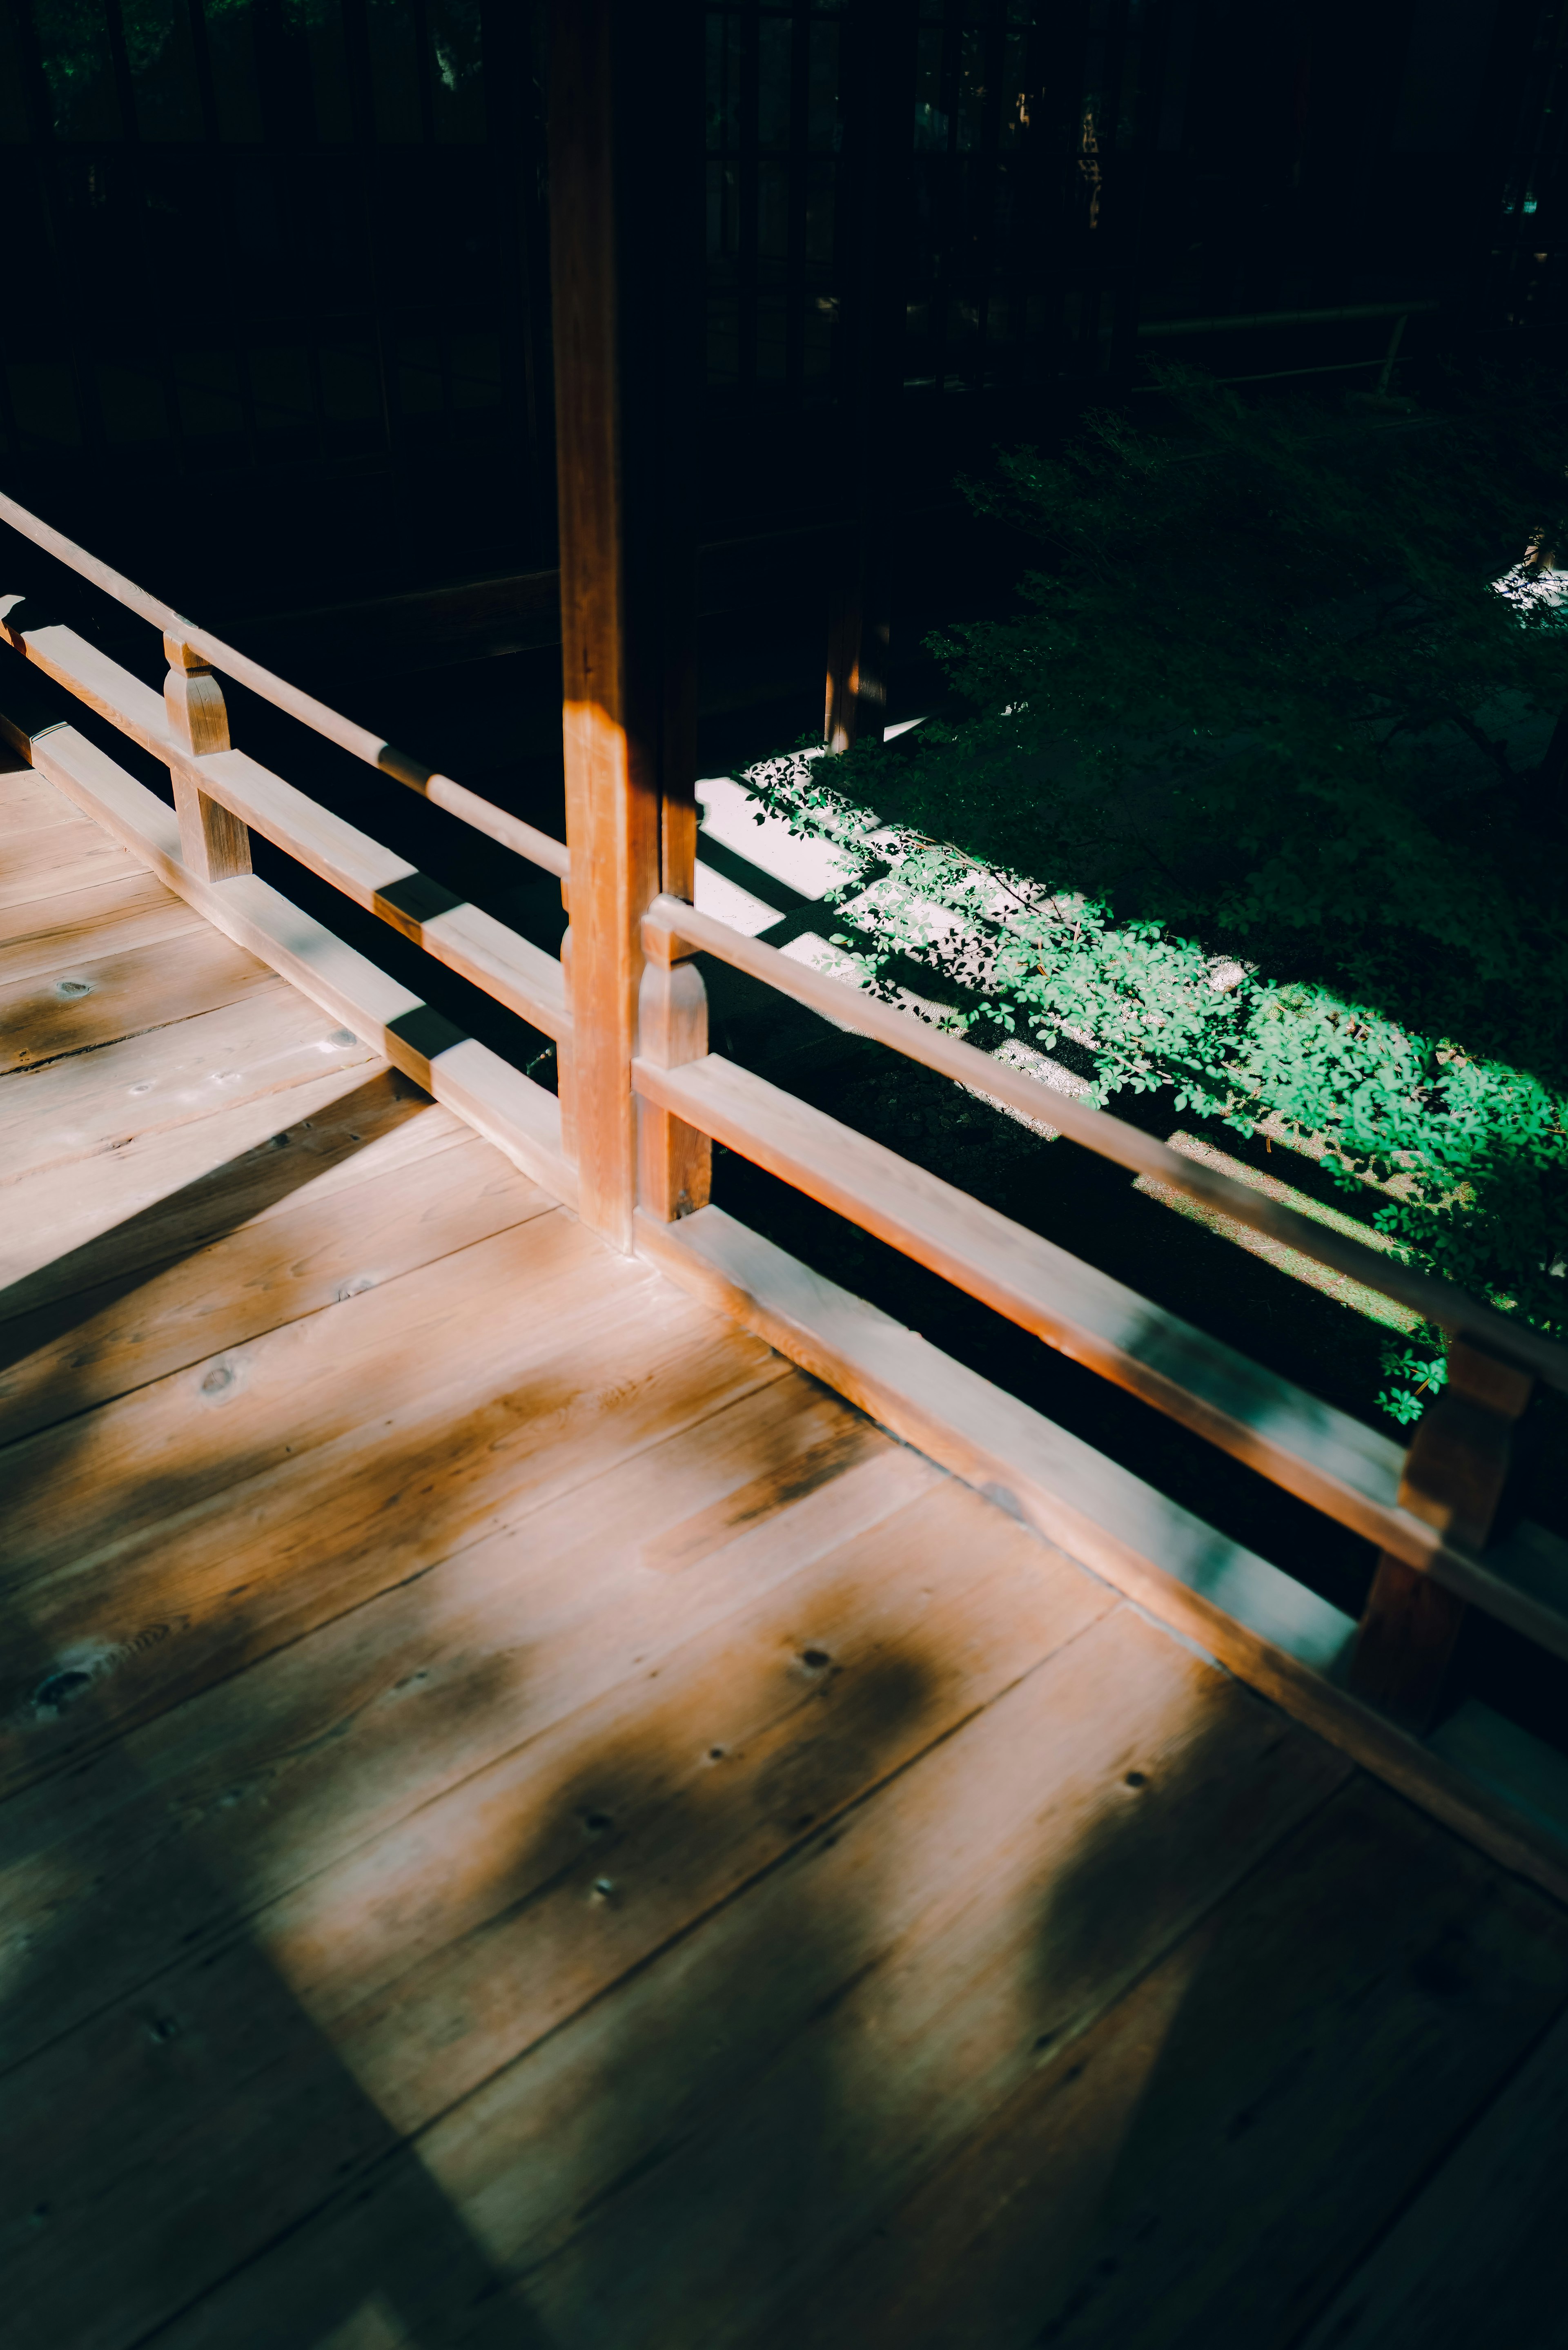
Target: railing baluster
566	1053
1455	1473
216	846
674	1159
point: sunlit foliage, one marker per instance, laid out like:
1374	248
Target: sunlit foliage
1245	798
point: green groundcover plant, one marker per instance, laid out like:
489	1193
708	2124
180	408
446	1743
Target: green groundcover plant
1255	798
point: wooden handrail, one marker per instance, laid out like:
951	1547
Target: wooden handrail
500	1102
523	839
1112	1138
1351	1473
469	941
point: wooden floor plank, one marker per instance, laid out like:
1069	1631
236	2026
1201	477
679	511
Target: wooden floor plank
33	931
258	1037
545	1411
748	1693
130	1203
30	804
310	1253
86	1003
93	1486
645	2172
64	857
267	1780
1206	2164
1481	2254
165	1193
69	950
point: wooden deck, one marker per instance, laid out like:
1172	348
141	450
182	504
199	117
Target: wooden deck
527	1821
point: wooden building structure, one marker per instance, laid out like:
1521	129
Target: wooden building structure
985	202
567	1780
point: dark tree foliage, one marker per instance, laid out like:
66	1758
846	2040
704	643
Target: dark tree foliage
1263	696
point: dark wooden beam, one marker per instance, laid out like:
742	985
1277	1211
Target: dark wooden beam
1456	1475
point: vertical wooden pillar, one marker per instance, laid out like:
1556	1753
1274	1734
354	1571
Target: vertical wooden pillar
1455	1475
879	100
626	155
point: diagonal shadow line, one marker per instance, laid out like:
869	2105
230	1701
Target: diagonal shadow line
71	1288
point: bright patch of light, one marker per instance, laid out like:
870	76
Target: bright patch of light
728	903
809	867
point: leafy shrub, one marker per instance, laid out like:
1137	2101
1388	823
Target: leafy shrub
1247	797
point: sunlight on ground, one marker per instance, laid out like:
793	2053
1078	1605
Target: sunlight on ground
727	902
811	868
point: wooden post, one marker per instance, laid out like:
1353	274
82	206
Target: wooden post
566	1062
1455	1475
880	77
625	250
214	845
858	637
674	1161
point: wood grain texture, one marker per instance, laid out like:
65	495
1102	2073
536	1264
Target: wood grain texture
152	1197
214	843
31	927
778	2069
627	578
612	804
1455	1472
266	1040
308	1252
674	1161
139	2272
192	699
86	924
1205	2164
1480	2253
62	859
526	1820
525	1414
1321	1453
520	1859
469	942
223	795
88	1002
248	1794
649	1769
29	804
88	1487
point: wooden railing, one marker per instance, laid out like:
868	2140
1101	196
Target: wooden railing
628	1141
1430	1512
222	795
